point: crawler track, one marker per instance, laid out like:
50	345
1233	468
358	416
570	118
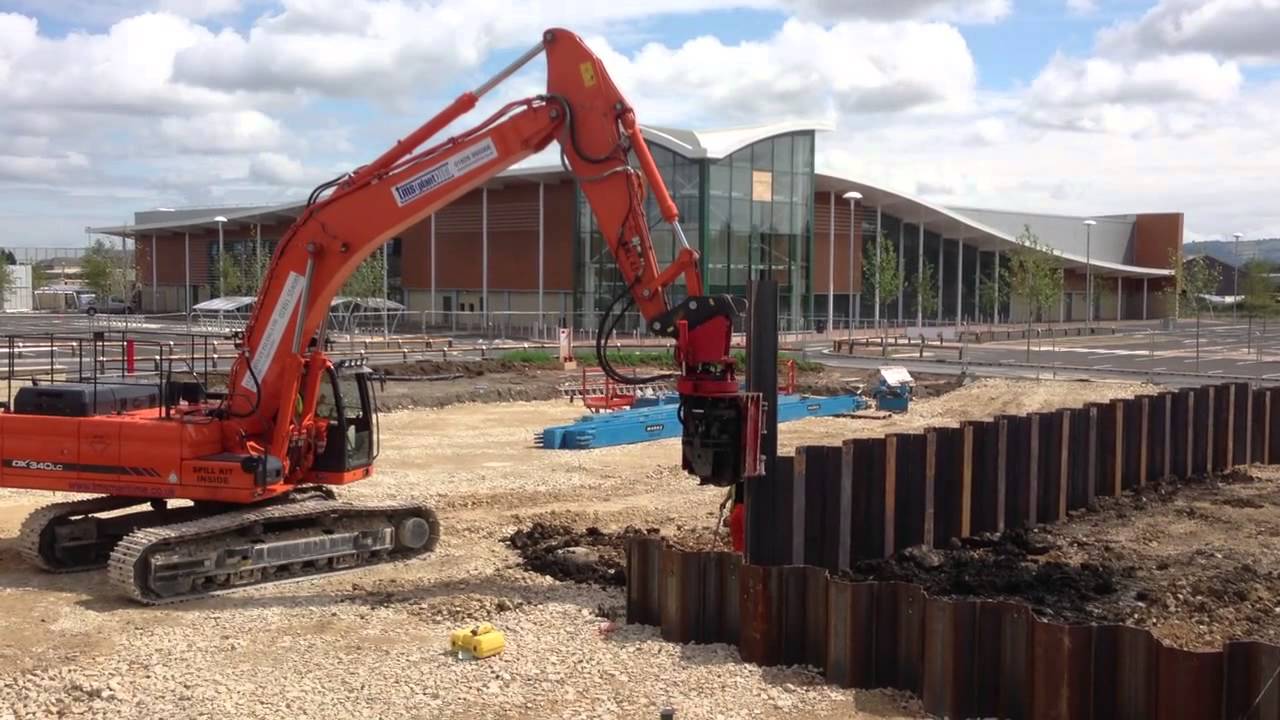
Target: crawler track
269	545
38	542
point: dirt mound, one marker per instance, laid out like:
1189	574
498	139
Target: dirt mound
465	368
591	556
1007	566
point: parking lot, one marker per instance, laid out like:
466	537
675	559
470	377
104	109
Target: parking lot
1186	355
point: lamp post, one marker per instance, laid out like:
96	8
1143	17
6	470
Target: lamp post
853	197
220	220
1088	271
1235	283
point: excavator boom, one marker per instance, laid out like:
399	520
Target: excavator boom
291	417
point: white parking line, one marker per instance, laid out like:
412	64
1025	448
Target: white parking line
1189	361
1102	367
1159	369
1214	372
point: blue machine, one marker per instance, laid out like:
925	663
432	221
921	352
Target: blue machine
893	389
656	418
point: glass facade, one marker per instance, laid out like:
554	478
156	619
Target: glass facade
749	212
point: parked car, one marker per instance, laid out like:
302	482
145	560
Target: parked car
111	306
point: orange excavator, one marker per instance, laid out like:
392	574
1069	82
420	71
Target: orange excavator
259	460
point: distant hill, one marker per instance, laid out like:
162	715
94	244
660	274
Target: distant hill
1225	250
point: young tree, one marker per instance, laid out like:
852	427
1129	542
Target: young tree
1255	285
40	276
880	272
99	269
993	296
231	276
1193	278
926	288
1035	276
6	282
366	281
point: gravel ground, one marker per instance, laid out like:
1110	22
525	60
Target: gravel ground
372	644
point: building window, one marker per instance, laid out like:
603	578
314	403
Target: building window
759	206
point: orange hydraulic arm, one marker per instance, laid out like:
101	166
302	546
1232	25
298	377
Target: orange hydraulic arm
597	131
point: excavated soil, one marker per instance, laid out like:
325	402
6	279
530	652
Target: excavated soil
1196	563
561	552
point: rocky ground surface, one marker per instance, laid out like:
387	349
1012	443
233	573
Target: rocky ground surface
373	644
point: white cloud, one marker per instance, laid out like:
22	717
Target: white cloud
380	48
1082	7
224	132
981	11
1243	29
45	168
127	70
803	71
1172	93
197	9
279	169
990	131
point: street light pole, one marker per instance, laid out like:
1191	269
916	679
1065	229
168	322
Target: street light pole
853	197
1088	271
1235	284
221	258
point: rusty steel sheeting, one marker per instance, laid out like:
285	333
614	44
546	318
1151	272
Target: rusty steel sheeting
871	474
1019	458
771	511
1159	425
1259	426
1183	433
827	504
951	463
1223	422
1242	423
643	567
1134	445
1273	427
1082	467
1251	686
914	489
964	658
1202	431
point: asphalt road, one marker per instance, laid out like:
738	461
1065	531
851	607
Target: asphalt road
1230	350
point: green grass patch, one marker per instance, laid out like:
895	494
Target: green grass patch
631	358
530	357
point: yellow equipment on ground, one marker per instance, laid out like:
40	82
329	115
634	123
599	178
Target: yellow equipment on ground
480	641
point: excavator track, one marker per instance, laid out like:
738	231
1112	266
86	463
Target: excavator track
259	546
64	537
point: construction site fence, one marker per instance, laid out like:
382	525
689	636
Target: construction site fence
499	327
1037	350
828	507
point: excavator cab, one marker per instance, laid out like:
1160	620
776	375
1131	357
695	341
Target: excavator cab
348	401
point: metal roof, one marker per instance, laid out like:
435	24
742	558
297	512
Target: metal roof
225	304
954	224
197	219
721	143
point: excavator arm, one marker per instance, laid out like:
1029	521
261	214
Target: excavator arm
268	412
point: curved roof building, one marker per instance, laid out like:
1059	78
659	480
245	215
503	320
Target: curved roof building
752	201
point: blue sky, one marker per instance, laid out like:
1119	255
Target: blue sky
112	106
